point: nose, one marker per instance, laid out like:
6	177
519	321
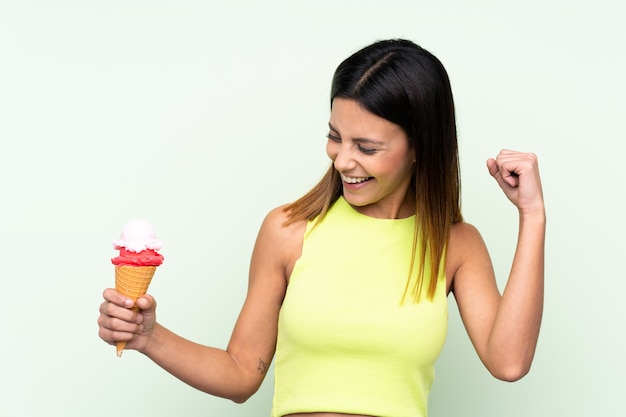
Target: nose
341	155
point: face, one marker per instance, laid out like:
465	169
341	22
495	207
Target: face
374	159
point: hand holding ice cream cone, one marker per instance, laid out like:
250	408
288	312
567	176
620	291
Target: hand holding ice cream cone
137	262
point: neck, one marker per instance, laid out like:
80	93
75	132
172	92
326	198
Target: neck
389	209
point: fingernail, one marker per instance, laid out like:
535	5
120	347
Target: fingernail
128	302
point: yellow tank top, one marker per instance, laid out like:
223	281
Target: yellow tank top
345	342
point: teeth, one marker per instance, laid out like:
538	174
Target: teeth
354	180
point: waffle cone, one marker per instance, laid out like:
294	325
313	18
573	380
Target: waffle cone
133	282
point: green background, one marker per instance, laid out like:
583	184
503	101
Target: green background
202	116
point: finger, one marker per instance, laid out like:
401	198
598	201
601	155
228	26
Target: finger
507	152
113	311
510	165
106	335
509	176
115	297
496	172
114	336
112	329
506	178
516	164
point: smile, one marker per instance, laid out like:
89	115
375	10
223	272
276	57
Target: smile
354	180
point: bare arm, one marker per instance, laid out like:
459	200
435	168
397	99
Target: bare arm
504	328
237	371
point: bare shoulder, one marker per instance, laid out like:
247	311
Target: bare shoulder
285	240
275	226
463	233
466	247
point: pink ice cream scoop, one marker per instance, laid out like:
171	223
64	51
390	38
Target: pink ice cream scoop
138	245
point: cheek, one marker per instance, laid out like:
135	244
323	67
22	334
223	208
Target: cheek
398	169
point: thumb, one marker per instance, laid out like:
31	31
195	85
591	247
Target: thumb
146	303
492	166
495	172
504	179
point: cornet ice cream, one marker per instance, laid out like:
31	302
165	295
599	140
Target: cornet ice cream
137	261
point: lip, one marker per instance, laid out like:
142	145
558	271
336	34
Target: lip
353	180
355	185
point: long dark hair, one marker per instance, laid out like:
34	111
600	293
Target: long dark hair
406	85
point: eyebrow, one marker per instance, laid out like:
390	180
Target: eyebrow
362	140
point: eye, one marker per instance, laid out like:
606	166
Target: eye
367	151
334	138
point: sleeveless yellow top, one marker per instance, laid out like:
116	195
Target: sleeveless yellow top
346	344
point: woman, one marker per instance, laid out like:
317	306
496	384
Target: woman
348	284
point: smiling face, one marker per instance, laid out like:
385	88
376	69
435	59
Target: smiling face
374	159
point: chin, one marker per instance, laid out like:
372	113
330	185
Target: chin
356	201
